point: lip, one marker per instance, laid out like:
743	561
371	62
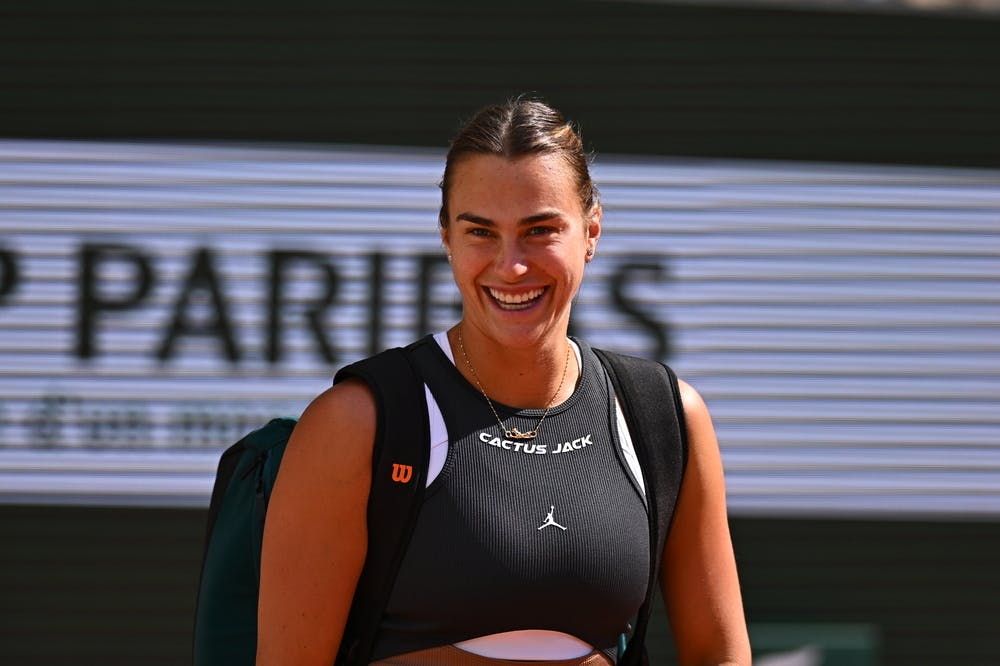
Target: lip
515	301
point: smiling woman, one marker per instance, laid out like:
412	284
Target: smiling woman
527	433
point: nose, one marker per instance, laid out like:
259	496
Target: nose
511	260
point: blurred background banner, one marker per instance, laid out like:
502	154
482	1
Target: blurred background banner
160	300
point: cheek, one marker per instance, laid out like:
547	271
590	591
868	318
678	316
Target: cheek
568	257
464	267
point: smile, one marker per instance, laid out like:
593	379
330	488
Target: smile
520	301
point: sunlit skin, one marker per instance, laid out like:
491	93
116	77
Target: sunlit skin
517	231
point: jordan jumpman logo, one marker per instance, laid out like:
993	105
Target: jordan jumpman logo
550	521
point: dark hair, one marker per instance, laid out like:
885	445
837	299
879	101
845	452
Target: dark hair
518	128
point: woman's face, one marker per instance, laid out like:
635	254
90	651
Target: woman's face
518	238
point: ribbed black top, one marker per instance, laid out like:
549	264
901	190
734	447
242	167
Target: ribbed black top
484	560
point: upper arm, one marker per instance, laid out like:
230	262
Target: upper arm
315	536
699	578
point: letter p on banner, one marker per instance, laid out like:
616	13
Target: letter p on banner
402	473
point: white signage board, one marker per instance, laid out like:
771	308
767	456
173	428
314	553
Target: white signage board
158	301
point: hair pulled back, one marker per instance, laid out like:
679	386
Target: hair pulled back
517	128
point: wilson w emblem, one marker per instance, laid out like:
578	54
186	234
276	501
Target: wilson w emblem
402	473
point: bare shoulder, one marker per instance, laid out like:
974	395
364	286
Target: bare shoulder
325	474
338	424
343	399
315	536
704	457
696	412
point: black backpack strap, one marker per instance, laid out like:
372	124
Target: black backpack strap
399	475
650	400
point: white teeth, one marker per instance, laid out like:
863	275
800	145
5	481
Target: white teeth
516	299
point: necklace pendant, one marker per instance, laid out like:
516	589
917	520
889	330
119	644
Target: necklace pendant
514	433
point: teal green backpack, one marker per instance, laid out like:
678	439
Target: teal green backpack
225	632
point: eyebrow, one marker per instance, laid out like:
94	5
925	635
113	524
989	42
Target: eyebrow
543	216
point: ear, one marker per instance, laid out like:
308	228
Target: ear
594	230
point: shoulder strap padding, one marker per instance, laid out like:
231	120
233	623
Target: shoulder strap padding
650	400
399	475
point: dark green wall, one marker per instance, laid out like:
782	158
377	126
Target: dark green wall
98	586
117	586
640	77
931	589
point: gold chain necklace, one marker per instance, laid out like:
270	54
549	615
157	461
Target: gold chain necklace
512	433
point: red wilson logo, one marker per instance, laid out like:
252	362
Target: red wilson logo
401	473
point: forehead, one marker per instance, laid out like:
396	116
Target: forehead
530	180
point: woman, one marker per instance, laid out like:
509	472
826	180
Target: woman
531	542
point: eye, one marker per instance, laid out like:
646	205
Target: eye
482	232
541	230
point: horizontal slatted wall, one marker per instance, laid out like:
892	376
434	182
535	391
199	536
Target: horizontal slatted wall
842	322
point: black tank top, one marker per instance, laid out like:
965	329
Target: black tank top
549	533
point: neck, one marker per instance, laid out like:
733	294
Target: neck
537	377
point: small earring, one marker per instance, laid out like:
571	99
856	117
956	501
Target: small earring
590	253
449	257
